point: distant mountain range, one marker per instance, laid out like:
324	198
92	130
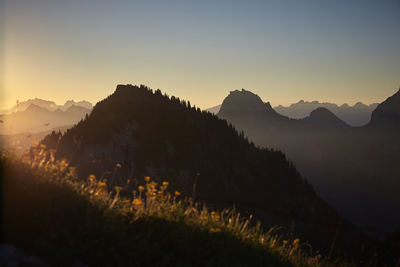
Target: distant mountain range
352	167
34	116
356	115
46	104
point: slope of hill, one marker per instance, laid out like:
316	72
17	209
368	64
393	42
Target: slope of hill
350	167
387	115
58	219
35	119
135	132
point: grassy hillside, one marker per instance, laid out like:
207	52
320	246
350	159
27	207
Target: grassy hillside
52	214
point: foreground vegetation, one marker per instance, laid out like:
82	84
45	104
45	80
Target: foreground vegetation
63	220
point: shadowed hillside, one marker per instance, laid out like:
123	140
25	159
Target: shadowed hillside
351	167
136	132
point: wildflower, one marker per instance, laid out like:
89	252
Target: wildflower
284	242
42	146
147	178
165	184
35	143
296	241
177	194
92	177
141	188
102	185
118	165
137	202
118	188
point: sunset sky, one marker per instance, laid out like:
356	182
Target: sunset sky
337	51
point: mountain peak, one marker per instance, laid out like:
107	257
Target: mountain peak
323	116
244	102
35	108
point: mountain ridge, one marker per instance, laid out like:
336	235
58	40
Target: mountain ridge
331	153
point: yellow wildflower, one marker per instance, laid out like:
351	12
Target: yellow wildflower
296	241
147	178
141	188
137	202
215	230
118	188
165	183
102	185
177	194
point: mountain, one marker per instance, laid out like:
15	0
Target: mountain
21	106
70	103
49	105
244	103
248	112
387	114
357	115
35	119
137	132
323	117
351	167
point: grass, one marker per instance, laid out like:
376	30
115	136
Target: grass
64	220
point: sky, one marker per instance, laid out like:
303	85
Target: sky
341	51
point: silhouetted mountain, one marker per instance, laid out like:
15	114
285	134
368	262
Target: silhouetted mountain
245	103
323	117
351	167
35	119
357	115
149	133
248	112
387	114
135	132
